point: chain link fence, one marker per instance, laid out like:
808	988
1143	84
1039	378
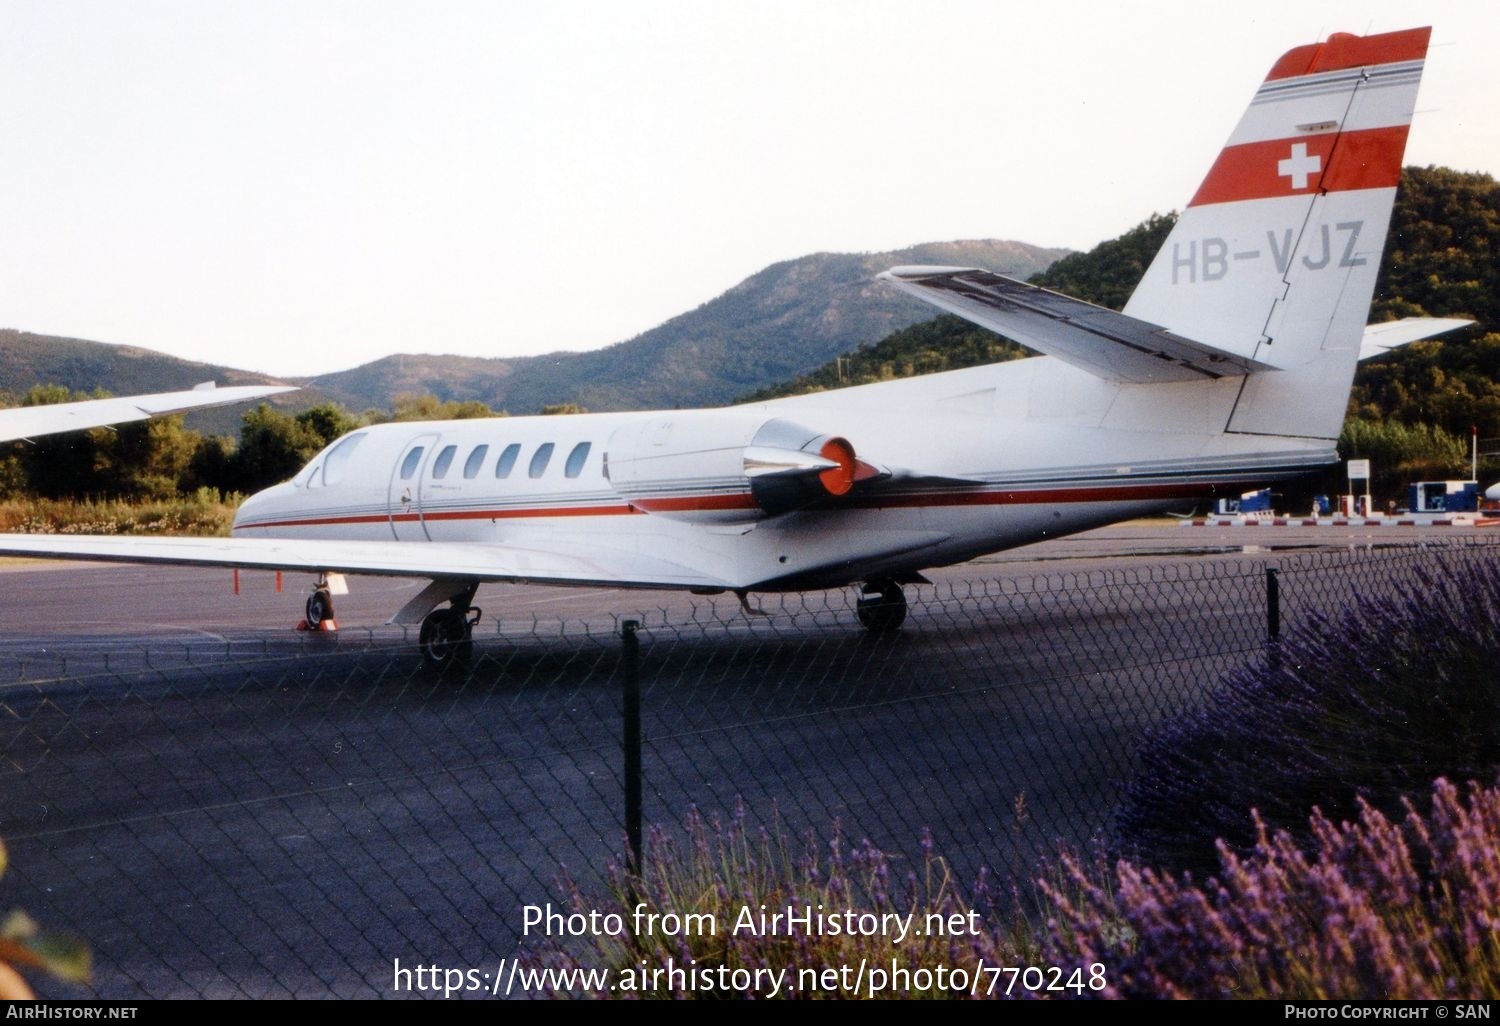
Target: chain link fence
285	816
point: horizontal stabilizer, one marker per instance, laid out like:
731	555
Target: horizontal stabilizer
1380	339
1101	341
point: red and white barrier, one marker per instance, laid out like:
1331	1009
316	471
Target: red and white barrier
1405	520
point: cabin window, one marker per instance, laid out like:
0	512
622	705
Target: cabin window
443	462
540	458
508	459
337	460
475	461
412	462
577	458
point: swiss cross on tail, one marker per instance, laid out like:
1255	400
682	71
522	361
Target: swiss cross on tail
1300	165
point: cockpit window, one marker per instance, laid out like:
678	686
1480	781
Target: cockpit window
443	462
508	459
576	459
475	461
539	460
337	461
411	463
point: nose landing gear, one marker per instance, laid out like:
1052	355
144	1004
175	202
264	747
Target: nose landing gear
319	608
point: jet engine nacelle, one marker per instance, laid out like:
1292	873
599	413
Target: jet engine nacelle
726	466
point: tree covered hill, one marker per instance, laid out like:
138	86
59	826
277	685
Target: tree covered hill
1442	260
784	320
943	343
77	365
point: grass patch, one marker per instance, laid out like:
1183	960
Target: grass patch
206	513
741	912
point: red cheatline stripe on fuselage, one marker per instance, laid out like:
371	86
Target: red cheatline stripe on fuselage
1365	159
1342	51
711	503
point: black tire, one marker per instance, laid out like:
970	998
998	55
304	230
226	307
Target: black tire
445	639
882	607
319	608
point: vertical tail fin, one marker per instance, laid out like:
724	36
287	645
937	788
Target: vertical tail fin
1275	257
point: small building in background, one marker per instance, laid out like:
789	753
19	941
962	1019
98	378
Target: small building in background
1442	497
1250	502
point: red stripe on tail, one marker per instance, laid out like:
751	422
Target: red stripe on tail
1366	159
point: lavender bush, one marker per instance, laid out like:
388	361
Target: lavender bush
1380	909
1372	704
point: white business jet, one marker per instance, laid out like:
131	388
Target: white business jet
1229	368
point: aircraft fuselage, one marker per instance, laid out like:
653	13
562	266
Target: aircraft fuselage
966	462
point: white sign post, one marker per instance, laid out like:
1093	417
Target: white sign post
1359	470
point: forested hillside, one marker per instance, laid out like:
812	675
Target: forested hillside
944	343
80	366
779	322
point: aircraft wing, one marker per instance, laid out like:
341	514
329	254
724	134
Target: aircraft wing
31	421
437	560
1101	341
1380	339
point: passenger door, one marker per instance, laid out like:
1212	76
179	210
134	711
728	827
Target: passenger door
404	497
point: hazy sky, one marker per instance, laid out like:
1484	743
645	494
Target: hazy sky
306	186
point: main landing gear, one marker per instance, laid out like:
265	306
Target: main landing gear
881	607
446	635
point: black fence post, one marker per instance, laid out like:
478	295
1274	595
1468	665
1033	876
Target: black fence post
631	657
1273	616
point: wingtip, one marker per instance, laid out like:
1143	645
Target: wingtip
915	272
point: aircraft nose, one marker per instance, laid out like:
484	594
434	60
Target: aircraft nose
256	509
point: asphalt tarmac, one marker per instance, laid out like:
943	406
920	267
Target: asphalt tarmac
86	603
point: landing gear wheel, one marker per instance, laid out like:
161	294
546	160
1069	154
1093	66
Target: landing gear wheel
446	638
319	608
882	607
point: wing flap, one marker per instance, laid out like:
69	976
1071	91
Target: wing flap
438	560
1104	342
